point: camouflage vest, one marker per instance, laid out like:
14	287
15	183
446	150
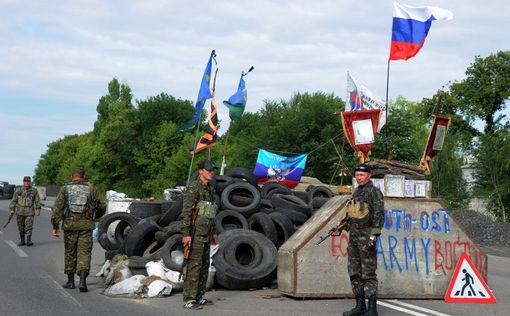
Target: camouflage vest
26	197
78	197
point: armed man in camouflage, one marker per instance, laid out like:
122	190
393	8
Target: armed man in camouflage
197	219
26	203
366	213
77	206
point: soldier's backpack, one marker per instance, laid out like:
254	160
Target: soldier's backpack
78	197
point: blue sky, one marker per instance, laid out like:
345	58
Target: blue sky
57	57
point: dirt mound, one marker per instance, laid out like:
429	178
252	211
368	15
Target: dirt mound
484	231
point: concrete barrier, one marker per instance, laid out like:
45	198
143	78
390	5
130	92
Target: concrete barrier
417	252
42	192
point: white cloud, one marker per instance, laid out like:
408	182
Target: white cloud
58	52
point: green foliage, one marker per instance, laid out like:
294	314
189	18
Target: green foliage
138	149
492	170
486	88
56	163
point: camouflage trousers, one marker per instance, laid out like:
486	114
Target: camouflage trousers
25	224
78	250
362	263
197	271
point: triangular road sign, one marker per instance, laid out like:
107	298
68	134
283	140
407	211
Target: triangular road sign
467	286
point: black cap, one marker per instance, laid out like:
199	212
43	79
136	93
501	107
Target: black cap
27	178
207	165
363	168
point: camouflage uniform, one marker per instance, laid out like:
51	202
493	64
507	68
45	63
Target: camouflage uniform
24	202
203	225
77	226
362	263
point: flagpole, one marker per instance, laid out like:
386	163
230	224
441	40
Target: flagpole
196	131
224	160
387	107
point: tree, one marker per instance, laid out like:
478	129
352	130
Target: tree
486	89
492	169
405	133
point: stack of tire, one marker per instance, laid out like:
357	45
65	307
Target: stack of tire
253	222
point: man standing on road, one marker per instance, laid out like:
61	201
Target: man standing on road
366	212
77	206
197	219
26	203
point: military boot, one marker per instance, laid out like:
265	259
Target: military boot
29	240
70	281
359	309
22	239
372	307
83	281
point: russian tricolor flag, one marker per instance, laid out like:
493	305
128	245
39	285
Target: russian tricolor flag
410	28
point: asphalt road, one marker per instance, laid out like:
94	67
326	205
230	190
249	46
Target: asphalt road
31	279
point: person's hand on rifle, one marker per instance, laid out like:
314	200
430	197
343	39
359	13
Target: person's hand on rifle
215	239
56	233
37	211
186	241
11	211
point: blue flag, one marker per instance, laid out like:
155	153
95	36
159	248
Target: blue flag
237	102
203	94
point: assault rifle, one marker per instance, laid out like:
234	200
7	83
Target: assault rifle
11	214
186	251
335	230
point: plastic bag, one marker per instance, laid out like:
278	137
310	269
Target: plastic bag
177	256
156	268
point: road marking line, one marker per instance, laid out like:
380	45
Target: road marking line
400	309
64	293
423	309
16	249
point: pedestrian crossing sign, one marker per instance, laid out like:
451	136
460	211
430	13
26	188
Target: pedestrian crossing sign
467	285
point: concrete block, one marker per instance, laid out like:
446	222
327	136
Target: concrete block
418	250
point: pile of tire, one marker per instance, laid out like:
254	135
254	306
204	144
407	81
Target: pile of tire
253	222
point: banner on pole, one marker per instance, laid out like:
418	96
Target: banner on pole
278	168
360	128
435	141
361	98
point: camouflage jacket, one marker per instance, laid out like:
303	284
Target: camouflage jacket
195	193
371	195
72	221
25	201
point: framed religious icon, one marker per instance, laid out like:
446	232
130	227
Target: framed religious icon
363	132
409	188
394	185
421	188
439	139
378	183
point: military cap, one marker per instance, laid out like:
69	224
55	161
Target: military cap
27	178
363	168
207	165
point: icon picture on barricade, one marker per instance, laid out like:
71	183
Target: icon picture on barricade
467	285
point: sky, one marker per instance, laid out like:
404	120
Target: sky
57	57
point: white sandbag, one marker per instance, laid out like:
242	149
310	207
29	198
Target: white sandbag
173	278
156	268
130	286
159	288
118	270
